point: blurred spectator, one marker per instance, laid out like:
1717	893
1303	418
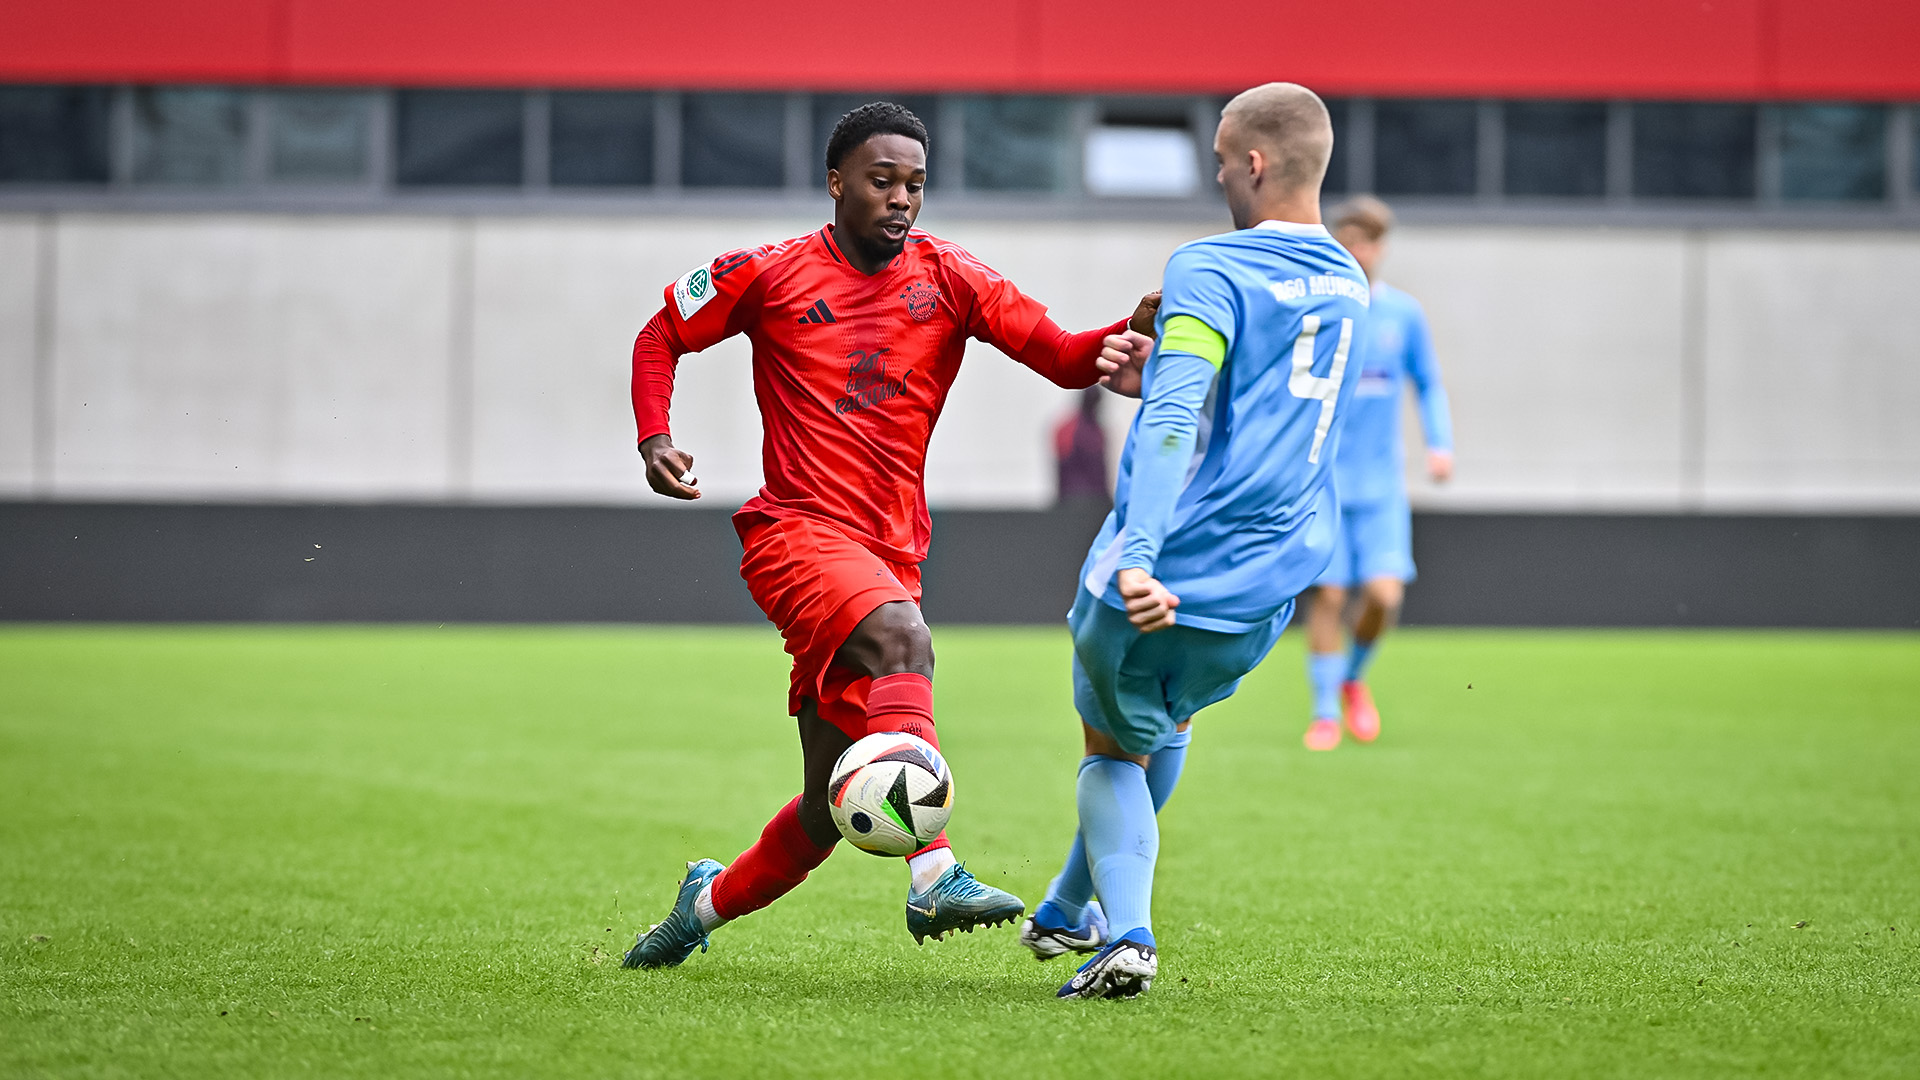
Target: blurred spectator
1080	452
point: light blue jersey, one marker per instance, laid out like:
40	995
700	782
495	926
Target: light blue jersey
1224	492
1368	466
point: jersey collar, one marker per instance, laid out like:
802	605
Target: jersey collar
1293	228
833	249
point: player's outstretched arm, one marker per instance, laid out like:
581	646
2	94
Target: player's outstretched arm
1436	415
1162	452
1074	360
656	356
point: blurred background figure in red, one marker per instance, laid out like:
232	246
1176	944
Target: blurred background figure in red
1080	452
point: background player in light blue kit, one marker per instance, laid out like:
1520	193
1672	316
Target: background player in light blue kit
1375	552
1224	512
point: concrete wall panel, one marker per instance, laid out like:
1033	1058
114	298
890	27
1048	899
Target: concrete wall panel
1561	351
252	357
1813	371
19	303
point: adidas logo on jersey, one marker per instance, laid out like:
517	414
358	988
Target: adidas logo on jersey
818	313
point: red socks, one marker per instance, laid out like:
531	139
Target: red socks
904	702
768	870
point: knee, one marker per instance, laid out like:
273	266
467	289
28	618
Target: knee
1331	598
892	640
1386	593
1100	744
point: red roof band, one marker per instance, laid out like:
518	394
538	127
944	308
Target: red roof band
1689	49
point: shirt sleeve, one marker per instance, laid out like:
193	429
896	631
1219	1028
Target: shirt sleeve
1065	359
991	308
708	304
1196	288
1196	329
1423	369
1163	442
656	356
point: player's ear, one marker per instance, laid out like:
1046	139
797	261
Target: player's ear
1256	165
834	184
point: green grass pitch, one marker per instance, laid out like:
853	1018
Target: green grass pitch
273	851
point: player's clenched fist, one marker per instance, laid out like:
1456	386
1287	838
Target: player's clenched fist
1149	604
1123	357
1143	315
669	468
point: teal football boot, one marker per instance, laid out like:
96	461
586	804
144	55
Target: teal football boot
957	901
673	939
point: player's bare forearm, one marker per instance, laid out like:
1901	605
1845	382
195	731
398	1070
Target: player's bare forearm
1149	604
669	468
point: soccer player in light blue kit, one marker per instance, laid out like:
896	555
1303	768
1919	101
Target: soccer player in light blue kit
1375	552
1224	512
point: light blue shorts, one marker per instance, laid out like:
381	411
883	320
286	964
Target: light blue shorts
1136	687
1376	541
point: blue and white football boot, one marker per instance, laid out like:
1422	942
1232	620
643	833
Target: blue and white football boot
957	901
1123	969
674	938
1046	934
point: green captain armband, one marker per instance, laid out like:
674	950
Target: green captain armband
1184	333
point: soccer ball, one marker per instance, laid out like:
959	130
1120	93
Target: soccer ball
891	794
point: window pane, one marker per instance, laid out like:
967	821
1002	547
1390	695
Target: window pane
1556	148
50	134
602	138
733	140
1336	181
460	137
189	135
319	136
1693	151
1151	162
1018	143
1425	147
1833	152
829	108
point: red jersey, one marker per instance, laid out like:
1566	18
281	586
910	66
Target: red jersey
851	371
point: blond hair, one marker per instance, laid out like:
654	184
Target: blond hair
1364	212
1290	123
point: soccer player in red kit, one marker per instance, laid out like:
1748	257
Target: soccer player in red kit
858	331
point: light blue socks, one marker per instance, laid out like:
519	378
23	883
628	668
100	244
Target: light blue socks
1325	672
1122	837
1073	887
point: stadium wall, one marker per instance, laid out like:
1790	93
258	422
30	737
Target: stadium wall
379	357
147	562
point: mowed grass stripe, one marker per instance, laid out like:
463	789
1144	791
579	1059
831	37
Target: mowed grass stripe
267	851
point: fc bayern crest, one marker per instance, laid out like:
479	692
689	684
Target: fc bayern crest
921	298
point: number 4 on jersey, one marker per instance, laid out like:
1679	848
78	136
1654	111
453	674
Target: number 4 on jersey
1303	383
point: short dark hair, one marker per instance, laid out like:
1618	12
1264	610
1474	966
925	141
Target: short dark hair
863	123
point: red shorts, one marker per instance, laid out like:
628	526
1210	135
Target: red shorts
816	583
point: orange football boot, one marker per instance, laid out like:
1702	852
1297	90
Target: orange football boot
1363	720
1322	734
